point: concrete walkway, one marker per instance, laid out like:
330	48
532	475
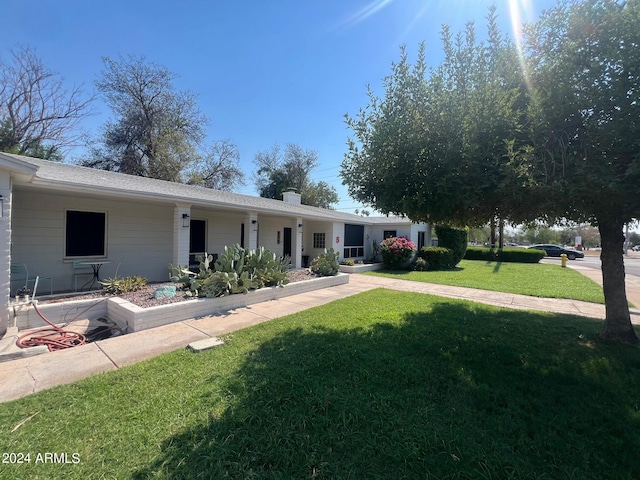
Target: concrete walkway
24	376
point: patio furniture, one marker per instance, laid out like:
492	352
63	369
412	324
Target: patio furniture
80	270
95	271
20	271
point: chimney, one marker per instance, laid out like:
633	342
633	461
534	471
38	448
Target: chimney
290	196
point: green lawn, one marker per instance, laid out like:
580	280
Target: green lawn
538	280
380	385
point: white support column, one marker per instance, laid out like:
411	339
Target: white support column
181	234
337	238
296	243
5	250
251	231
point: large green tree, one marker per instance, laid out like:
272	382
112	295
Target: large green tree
582	161
39	115
278	171
434	147
472	139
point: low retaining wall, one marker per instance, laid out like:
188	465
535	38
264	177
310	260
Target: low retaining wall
136	318
365	267
61	312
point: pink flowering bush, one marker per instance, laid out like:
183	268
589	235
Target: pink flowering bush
397	251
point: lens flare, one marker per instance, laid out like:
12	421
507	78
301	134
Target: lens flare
520	11
364	13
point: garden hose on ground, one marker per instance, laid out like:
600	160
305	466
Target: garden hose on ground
54	337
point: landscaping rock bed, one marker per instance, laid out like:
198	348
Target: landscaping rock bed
144	297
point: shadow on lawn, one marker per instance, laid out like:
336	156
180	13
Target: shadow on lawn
458	391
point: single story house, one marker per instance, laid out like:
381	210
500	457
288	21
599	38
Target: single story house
57	215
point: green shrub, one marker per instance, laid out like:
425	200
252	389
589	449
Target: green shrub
436	258
455	239
326	264
516	255
116	286
397	251
349	262
237	270
420	264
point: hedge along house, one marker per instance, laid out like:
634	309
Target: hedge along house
56	215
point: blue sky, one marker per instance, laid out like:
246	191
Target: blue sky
265	72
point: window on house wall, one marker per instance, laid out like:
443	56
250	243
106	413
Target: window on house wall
85	234
421	239
389	234
319	240
353	241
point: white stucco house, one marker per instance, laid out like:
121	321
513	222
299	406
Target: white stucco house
54	215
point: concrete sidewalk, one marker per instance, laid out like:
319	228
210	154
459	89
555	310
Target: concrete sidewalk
29	375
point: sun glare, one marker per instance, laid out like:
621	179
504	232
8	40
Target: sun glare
364	13
520	11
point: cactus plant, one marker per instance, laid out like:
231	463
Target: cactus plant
237	270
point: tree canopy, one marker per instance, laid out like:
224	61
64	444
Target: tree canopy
547	131
218	168
433	148
158	131
39	116
278	171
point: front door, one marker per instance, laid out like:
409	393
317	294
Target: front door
197	241
286	250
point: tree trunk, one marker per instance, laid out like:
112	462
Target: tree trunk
501	230
492	239
617	324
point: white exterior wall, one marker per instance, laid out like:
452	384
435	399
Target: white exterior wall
223	228
5	250
139	236
180	235
268	233
309	229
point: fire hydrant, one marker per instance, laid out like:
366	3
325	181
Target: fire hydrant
564	259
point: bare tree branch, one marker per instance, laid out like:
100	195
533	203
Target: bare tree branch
36	110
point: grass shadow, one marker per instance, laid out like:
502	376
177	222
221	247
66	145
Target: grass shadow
442	389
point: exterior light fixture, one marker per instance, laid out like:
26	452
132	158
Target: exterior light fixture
254	222
185	220
299	225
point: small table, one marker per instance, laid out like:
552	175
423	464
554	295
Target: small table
95	266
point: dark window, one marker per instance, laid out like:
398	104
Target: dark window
85	234
389	234
198	236
353	235
421	239
242	235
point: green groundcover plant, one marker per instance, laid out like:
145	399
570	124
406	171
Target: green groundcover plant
537	280
378	385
